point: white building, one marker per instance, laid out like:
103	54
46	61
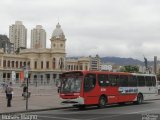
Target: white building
18	35
38	37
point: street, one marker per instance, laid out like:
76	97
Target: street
149	110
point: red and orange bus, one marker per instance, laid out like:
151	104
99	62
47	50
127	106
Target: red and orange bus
81	88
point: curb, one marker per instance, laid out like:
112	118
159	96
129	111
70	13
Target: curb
31	95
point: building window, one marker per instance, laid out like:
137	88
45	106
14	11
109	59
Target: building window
61	63
41	64
21	64
54	63
16	64
76	67
28	64
35	64
47	64
80	67
24	63
8	63
12	64
86	67
69	67
61	45
4	63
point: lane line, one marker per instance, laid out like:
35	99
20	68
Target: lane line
143	111
122	114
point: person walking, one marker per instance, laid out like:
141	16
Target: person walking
9	91
24	94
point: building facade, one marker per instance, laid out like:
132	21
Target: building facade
44	65
5	44
18	35
38	37
83	63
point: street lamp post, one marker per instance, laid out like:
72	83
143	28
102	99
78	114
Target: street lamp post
26	78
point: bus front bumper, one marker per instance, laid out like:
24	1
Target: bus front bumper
74	102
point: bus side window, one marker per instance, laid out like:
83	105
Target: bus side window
153	81
141	81
132	81
123	81
89	82
113	80
148	81
103	80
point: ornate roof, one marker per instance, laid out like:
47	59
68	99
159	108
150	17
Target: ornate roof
58	32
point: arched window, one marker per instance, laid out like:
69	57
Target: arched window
16	64
20	64
54	63
35	65
28	63
12	64
8	64
41	64
47	64
4	63
61	63
24	63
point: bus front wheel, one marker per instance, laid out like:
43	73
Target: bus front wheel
102	102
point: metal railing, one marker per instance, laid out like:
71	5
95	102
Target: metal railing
32	82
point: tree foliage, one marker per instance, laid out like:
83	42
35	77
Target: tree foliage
130	68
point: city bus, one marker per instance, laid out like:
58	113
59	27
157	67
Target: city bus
83	88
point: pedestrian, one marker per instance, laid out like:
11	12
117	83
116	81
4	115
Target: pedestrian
9	92
24	94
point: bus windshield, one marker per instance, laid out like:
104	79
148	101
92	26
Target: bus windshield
71	84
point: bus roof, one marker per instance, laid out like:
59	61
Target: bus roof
107	72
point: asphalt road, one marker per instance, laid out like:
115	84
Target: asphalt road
149	110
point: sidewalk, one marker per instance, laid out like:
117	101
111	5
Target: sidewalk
41	98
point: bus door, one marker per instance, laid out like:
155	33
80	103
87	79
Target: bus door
90	91
112	89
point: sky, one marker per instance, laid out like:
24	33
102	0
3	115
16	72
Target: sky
121	28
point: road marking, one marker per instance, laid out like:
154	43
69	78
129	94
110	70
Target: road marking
122	114
58	117
143	111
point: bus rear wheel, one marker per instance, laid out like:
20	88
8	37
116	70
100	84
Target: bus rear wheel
102	102
81	107
139	99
